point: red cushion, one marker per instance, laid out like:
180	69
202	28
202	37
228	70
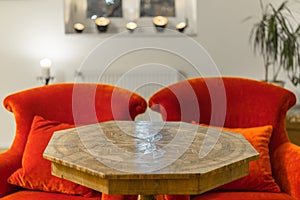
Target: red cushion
35	173
260	173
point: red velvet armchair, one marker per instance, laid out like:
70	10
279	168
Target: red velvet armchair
40	111
257	109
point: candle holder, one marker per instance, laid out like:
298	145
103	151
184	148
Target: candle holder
102	23
181	26
78	27
131	26
160	23
45	80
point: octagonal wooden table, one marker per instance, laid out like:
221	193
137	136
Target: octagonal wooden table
149	158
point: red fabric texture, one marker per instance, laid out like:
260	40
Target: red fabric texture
33	195
39	195
9	163
287	166
118	197
260	173
238	195
248	103
172	197
72	103
35	173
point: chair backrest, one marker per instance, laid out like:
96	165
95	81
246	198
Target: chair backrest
73	103
226	102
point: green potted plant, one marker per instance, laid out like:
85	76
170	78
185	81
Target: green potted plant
277	39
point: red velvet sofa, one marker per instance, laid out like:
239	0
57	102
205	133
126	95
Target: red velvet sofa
40	111
253	108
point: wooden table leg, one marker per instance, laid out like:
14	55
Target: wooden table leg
146	197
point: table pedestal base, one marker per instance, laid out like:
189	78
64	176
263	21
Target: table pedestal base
146	197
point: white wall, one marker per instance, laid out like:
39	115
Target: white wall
33	29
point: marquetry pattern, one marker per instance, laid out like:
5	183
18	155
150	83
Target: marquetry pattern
126	157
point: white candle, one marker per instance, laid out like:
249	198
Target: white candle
45	72
45	65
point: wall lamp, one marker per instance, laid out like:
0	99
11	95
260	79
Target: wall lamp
45	71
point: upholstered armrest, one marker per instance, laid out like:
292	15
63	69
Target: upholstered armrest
9	163
286	165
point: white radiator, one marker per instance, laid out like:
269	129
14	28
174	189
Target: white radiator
143	82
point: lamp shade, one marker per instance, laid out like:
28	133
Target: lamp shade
46	62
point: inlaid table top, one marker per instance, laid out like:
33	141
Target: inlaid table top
144	157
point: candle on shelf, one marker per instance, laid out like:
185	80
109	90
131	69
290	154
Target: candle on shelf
131	26
160	23
102	23
45	65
